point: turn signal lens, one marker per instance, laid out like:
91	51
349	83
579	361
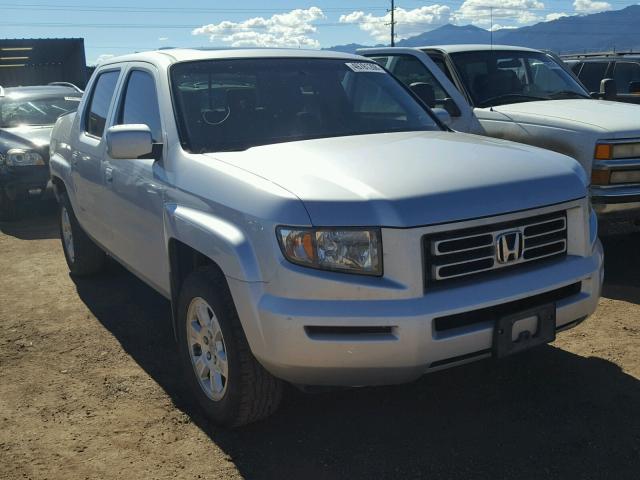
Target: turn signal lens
604	151
600	177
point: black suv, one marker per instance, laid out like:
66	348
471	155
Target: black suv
623	68
27	115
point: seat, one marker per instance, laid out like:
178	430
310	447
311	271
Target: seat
496	84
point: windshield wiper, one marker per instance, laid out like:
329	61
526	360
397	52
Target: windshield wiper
567	94
491	102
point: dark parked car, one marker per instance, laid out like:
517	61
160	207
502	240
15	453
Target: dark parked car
623	68
27	115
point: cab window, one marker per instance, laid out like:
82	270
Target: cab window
98	108
140	104
439	61
408	69
592	74
626	73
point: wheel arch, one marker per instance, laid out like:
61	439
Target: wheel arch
196	239
59	187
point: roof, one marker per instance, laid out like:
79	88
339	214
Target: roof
189	54
599	58
601	55
41	90
477	48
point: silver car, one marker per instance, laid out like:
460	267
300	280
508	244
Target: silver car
313	223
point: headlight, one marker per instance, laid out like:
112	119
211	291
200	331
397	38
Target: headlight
17	157
345	250
617	151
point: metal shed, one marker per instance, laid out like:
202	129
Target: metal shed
40	61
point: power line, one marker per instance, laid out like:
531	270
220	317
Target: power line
171	10
240	26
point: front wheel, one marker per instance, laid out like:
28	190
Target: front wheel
226	379
83	256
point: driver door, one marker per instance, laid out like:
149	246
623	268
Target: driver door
135	187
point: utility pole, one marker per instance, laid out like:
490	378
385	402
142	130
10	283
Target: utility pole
393	23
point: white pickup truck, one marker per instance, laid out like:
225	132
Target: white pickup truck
311	221
531	97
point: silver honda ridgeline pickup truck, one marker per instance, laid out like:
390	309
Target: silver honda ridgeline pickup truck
312	222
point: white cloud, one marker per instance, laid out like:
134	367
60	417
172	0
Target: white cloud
555	16
589	6
497	27
163	39
291	29
409	22
481	12
103	58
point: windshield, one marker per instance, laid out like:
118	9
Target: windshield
237	104
16	111
500	77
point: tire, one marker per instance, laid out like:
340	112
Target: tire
8	207
83	256
248	393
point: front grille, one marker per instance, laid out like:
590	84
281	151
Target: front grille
462	253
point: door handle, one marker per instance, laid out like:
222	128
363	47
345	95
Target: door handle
108	174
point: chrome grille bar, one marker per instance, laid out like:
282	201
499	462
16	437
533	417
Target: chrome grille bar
459	254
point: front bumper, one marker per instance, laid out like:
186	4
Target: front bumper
616	202
23	182
377	342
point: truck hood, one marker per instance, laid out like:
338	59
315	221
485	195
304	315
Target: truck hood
617	119
413	178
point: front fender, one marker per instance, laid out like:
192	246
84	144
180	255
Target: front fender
60	154
214	237
60	170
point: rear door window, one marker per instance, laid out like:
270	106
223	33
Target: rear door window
98	108
592	74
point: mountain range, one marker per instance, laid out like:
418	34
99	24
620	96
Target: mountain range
613	30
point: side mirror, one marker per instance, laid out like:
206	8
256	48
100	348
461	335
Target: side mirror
452	107
442	115
634	87
425	92
608	89
129	141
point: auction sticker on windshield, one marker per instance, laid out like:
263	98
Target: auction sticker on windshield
365	67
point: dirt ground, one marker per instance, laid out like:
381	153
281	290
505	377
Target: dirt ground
89	389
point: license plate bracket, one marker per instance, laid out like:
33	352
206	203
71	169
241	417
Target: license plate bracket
519	325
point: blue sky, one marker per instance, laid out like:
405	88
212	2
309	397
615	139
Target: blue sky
121	27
